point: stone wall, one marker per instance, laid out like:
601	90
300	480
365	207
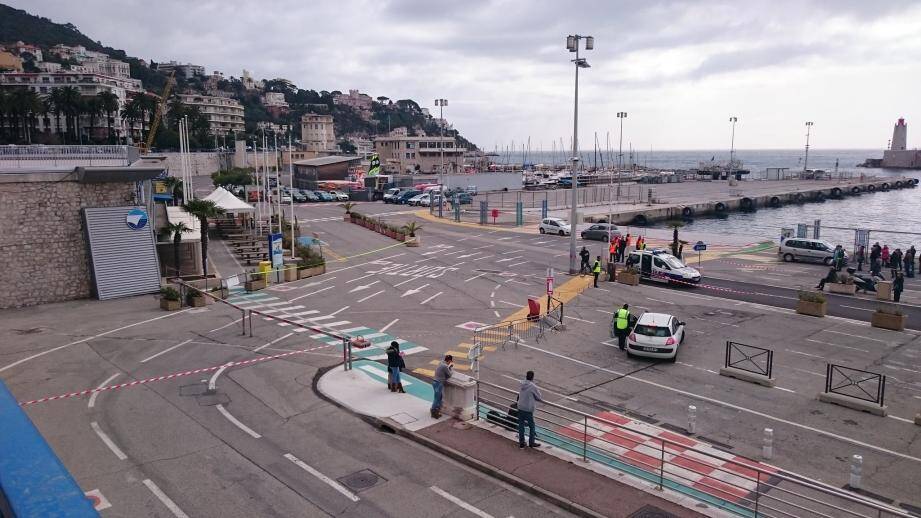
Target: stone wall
42	245
204	163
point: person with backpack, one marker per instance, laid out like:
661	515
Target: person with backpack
395	365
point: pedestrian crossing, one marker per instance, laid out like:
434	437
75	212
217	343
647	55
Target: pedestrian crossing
265	303
339	218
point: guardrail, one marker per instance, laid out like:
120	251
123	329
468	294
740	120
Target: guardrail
749	358
859	384
37	156
702	476
514	331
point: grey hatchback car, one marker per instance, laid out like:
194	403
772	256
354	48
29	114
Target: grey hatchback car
600	232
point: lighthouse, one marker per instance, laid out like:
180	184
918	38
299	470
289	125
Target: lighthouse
899	136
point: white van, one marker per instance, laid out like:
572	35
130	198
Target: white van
659	265
390	195
802	249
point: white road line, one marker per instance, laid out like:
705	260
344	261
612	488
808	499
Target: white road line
819	374
603	311
385	328
837	345
108	442
804	354
336	324
234	321
369	296
476	276
92	401
482	247
512	252
314	283
236	422
340	310
411	279
785	389
458	264
430	298
855	307
363	286
312	293
856	336
167	501
261	347
507	259
460	503
328	481
367	263
161	353
497	314
510	303
579	319
83	340
897	418
729	405
522	262
660	301
492	303
360	278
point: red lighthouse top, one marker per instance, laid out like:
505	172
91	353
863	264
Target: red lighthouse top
901	121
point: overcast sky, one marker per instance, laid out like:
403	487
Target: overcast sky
679	69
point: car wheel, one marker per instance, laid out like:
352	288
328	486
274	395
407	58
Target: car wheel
542	231
674	358
604	238
562	233
629	354
788	258
827	261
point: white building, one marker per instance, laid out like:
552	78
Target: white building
187	70
274	99
48	66
401	153
25	48
357	100
106	67
224	115
318	132
249	83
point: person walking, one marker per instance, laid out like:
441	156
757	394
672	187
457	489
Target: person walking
861	257
909	261
622	326
884	255
898	284
442	373
585	255
596	270
895	261
395	365
528	396
612	249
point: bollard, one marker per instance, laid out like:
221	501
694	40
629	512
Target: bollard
856	469
692	419
767	448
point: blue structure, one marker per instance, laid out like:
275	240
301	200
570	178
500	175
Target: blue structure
33	481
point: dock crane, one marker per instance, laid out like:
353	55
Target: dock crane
158	115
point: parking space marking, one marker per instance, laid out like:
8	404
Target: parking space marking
837	345
236	422
165	500
855	307
579	319
855	336
804	354
161	353
280	338
476	276
426	301
460	503
92	401
107	441
385	328
312	293
328	481
370	296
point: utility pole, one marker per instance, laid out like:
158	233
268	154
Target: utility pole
732	143
441	103
572	45
806	159
620	150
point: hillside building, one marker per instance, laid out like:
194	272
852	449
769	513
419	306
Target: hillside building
187	70
318	133
401	153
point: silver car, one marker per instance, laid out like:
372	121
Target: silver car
811	250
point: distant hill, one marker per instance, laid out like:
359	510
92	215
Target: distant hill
18	25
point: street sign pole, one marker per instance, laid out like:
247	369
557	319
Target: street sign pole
549	287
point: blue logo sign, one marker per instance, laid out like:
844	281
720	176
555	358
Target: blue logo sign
136	219
700	246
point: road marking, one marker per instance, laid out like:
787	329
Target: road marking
579	319
328	481
145	360
234	321
312	293
460	503
603	311
476	276
657	300
83	340
236	422
837	345
367	263
414	290
507	259
897	418
855	307
360	278
340	310
512	252
92	402
819	374
804	354
728	405
430	298
108	442
314	283
785	389
167	501
856	336
369	296
363	287
411	279
261	347
497	314
886	365
394	321
522	262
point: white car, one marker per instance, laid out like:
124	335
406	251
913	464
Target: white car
656	335
417	199
426	201
554	226
391	194
340	196
286	198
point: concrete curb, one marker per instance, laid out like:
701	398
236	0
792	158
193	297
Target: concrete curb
856	404
750	377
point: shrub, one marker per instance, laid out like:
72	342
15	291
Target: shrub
308	257
812	296
169	293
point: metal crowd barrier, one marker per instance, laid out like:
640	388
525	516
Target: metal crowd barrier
749	358
776	494
515	331
859	384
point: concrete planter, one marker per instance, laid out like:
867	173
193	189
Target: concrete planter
199	302
888	321
310	272
291	273
347	217
630	279
170	305
255	285
844	289
413	241
815	309
884	290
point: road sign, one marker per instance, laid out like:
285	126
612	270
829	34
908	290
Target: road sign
275	250
700	246
549	286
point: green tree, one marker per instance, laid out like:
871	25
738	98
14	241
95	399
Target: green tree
204	210
175	231
91	108
108	103
71	106
174	187
57	107
234	177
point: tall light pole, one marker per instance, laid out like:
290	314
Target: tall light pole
808	131
620	148
572	45
441	103
732	142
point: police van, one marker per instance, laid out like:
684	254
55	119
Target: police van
659	265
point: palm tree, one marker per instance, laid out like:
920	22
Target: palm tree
203	210
173	185
5	112
134	112
411	228
108	103
71	105
56	98
92	108
175	230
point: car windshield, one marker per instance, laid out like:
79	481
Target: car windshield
646	330
672	262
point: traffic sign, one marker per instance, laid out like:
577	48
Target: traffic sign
549	286
700	246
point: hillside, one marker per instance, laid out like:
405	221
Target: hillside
18	25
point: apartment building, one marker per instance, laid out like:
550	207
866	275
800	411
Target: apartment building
357	100
224	114
106	67
401	153
318	133
187	70
275	103
10	62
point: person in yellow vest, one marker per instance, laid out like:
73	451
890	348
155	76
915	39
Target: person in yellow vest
596	269
622	326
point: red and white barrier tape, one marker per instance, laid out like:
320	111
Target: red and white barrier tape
167	376
705	286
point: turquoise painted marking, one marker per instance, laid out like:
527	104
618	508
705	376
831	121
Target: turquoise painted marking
606	458
416	387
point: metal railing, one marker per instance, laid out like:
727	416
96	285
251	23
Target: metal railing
515	331
855	383
733	484
749	358
45	157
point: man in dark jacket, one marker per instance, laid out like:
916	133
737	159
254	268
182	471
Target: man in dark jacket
909	261
895	261
898	284
442	373
395	365
831	277
622	249
585	255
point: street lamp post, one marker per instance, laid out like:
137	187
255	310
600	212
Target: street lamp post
732	143
620	149
441	103
806	159
572	45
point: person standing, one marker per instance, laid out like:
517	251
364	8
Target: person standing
596	270
612	249
884	255
528	396
622	326
622	249
585	255
898	284
839	257
895	261
909	261
861	257
395	365
442	373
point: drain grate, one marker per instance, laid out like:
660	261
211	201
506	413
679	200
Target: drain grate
361	480
650	511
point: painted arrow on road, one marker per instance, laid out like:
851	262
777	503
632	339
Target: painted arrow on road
468	255
413	291
363	287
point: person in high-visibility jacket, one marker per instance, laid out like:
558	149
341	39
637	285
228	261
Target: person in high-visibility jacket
612	249
622	326
596	269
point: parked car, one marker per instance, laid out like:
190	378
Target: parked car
325	196
554	226
298	196
286	198
659	265
600	231
405	196
428	200
340	196
464	198
310	196
391	195
813	250
417	199
656	335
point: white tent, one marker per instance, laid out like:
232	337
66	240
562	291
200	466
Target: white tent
227	201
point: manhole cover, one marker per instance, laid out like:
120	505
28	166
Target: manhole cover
650	511
212	399
196	389
361	480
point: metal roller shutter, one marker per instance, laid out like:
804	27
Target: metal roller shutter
124	260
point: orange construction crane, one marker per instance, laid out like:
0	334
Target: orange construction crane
161	107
